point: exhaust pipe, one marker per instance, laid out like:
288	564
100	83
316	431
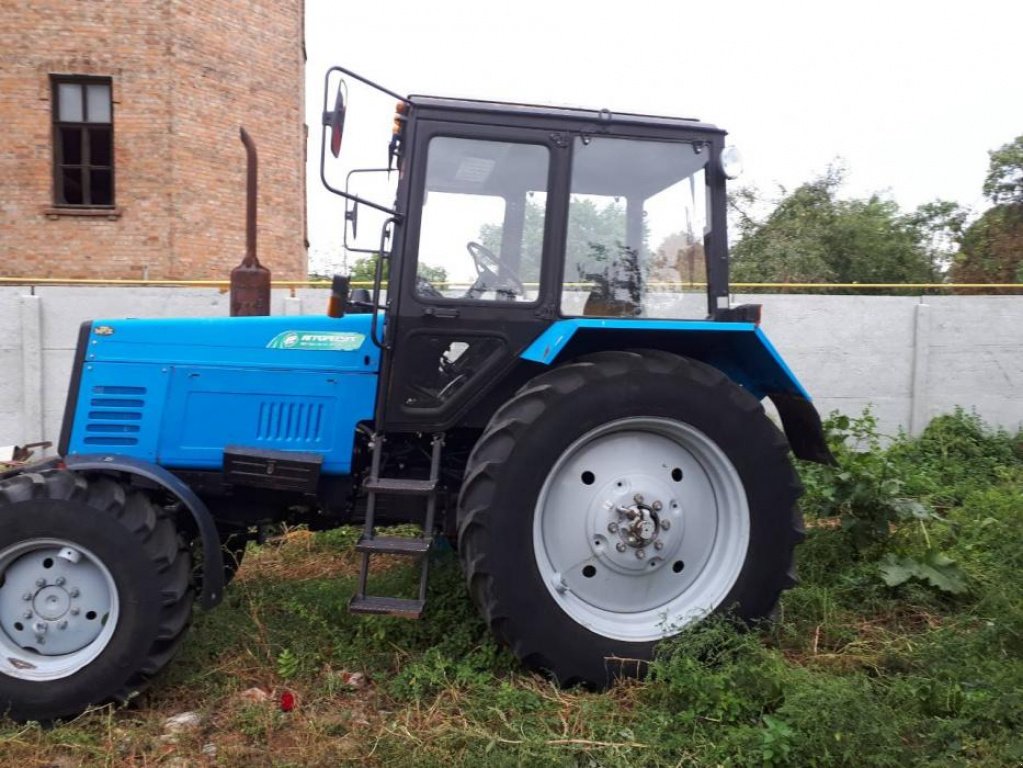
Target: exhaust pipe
250	281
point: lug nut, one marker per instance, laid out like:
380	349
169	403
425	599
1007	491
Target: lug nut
658	545
39	627
27	596
620	546
73	592
665	525
75	611
40	582
27	615
612	527
60	581
638	498
62	625
656	506
640	554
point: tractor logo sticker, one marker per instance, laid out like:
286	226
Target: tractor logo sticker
317	341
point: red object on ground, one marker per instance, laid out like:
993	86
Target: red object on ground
287	701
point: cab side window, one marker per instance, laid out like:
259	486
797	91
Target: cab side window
481	235
637	222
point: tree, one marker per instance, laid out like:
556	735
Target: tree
364	271
940	226
588	223
992	247
597	258
1003	184
813	236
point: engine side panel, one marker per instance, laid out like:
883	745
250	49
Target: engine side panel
175	392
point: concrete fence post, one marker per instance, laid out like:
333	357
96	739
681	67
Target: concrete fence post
31	370
919	406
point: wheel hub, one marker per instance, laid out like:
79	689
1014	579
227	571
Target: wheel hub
53	600
640	527
636	522
51	603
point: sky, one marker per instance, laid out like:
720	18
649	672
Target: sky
908	96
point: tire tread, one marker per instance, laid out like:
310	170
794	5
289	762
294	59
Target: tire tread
520	413
151	529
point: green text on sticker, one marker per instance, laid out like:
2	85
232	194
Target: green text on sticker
317	341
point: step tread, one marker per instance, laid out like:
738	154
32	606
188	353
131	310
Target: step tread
400	486
408	608
394	545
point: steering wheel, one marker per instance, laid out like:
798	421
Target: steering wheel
488	267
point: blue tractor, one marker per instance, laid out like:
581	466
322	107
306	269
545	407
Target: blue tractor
546	383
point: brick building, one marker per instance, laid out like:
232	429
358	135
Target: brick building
120	155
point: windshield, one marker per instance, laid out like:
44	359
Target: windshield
638	217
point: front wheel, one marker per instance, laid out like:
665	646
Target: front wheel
95	593
617	499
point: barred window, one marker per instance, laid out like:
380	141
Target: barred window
83	142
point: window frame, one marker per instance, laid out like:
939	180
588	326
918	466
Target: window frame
86	127
495	134
711	238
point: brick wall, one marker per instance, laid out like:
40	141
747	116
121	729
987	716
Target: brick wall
185	76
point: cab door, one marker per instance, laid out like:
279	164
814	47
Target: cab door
474	281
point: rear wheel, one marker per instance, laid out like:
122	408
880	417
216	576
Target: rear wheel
94	593
617	499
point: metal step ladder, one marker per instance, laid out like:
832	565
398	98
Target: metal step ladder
370	544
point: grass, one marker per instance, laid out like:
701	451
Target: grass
853	673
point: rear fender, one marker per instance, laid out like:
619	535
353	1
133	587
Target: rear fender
213	561
739	350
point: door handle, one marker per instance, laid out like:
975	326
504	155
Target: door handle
440	312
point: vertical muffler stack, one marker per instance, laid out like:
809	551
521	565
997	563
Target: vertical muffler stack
250	280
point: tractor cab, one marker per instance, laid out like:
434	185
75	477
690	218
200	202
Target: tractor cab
509	218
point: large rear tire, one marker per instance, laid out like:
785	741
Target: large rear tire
617	499
94	593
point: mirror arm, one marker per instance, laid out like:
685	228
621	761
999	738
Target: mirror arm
361	79
323	143
349	195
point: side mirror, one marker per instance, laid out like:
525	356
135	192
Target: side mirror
361	185
335	120
352	216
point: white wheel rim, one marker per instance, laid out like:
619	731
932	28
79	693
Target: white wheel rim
641	528
58	609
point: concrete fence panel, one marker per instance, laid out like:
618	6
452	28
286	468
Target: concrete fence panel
910	358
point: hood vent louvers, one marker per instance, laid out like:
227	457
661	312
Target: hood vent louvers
115	416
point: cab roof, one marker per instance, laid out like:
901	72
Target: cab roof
520	111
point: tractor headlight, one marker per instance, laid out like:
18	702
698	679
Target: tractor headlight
731	162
